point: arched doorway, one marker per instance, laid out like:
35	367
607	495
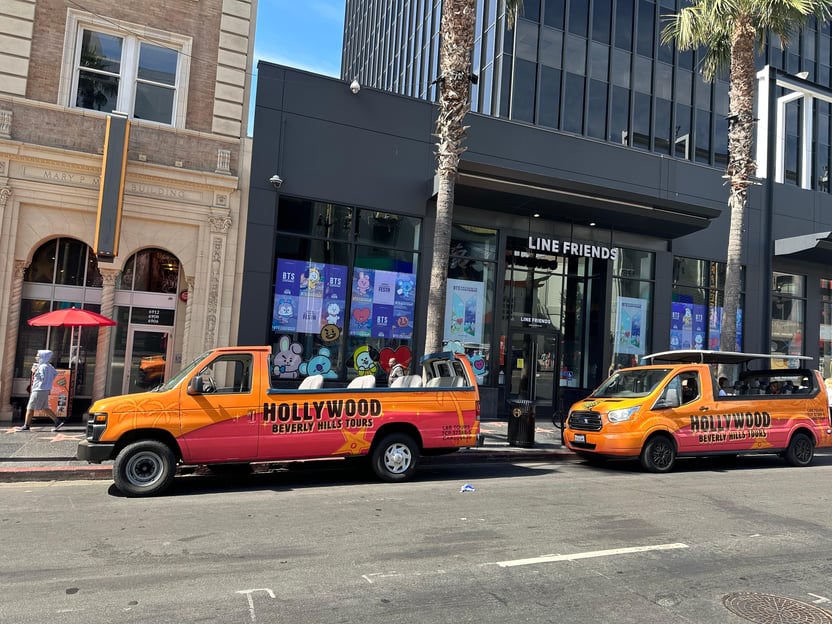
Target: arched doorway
63	273
145	304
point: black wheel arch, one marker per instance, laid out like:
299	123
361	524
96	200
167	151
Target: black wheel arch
142	435
401	427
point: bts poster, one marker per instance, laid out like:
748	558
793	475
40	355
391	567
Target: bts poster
464	311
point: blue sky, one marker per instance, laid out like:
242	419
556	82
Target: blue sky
306	34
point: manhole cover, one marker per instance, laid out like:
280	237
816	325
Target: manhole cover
768	609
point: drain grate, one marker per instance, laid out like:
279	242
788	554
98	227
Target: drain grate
768	609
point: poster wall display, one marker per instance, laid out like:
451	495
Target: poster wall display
382	304
632	325
688	326
59	399
464	311
308	295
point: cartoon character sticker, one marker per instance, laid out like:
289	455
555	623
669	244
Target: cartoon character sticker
330	333
365	360
320	364
288	358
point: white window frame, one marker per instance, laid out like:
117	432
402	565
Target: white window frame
132	35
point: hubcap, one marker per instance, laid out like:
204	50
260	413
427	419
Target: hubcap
397	458
144	469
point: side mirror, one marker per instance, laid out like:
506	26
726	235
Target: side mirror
196	386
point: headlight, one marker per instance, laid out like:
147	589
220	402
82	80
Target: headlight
620	415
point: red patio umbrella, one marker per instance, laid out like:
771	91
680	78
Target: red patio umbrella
71	317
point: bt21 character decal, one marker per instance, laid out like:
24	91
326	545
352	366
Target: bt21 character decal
365	360
330	333
480	365
320	364
402	354
287	360
285	311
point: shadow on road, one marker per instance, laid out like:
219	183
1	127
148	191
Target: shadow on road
296	475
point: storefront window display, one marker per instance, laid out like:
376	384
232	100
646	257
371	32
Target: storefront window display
696	312
70	265
469	305
342	309
788	319
631	307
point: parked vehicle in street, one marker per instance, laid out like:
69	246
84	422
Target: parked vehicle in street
673	408
221	410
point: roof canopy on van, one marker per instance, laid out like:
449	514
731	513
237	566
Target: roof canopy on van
714	357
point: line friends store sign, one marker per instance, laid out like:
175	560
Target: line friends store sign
571	248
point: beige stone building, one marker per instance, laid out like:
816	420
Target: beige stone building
152	240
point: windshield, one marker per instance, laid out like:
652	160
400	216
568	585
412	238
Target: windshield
631	383
174	381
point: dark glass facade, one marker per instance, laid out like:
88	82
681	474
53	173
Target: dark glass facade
595	68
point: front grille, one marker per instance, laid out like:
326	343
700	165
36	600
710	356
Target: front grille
585	421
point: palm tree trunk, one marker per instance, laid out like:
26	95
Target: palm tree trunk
457	32
740	169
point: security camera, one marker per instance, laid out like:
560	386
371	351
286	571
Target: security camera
276	181
354	86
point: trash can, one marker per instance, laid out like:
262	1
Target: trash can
521	423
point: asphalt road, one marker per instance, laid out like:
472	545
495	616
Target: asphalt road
549	542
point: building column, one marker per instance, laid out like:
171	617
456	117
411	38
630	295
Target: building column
13	321
219	237
186	331
102	348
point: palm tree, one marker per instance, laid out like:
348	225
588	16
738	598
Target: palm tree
457	40
728	31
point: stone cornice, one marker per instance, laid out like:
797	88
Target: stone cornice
183	178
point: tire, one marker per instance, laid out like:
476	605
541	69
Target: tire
395	458
658	455
144	468
801	450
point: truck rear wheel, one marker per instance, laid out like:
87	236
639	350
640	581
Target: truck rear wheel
659	454
801	450
144	468
395	458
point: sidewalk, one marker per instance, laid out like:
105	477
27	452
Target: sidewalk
43	455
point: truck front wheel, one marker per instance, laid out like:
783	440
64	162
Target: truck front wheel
395	458
144	468
659	454
801	450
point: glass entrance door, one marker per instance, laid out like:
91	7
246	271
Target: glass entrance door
534	369
147	358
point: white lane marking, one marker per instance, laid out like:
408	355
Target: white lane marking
588	555
820	599
248	593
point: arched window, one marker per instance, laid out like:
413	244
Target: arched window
151	270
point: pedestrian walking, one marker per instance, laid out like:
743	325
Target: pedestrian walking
43	375
396	370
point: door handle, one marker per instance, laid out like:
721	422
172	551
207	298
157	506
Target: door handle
704	408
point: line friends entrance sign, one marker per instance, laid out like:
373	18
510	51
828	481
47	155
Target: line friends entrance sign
571	248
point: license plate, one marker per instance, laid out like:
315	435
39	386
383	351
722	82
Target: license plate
579	437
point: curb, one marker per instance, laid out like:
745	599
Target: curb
55	473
